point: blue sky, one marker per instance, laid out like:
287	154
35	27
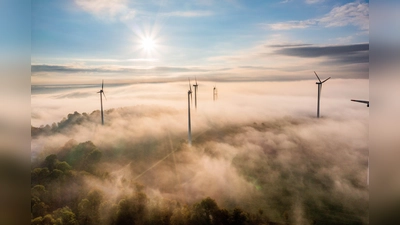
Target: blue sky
83	40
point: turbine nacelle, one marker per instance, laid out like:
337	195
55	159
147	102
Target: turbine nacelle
321	82
319	90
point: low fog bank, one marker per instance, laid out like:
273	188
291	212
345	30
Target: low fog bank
242	99
258	154
295	169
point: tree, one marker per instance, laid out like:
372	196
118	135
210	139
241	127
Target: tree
39	209
204	212
38	175
37	221
63	166
221	217
65	216
238	217
125	214
88	208
39	191
50	161
47	220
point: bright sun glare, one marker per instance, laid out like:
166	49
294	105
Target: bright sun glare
148	44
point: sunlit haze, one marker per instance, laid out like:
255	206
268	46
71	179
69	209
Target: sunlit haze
251	150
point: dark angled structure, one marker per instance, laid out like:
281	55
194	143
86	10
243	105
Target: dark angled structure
319	91
101	101
361	101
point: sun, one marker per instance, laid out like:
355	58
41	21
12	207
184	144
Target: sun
148	44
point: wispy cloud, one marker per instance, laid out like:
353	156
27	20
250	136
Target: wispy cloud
316	51
343	54
355	14
287	45
314	1
109	69
292	25
192	13
107	9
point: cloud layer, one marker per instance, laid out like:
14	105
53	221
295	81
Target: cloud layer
305	168
355	14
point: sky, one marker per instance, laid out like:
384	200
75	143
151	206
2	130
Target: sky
261	56
83	42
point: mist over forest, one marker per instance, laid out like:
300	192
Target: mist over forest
259	155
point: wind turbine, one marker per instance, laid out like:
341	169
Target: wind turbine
101	101
215	94
189	124
195	93
319	90
361	101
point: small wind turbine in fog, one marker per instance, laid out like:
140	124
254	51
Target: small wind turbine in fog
189	125
361	101
215	93
319	90
195	93
101	101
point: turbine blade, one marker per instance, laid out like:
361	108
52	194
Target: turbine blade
326	79
317	76
361	101
104	95
102	84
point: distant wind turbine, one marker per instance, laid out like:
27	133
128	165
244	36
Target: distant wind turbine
189	122
195	93
101	101
319	90
215	93
361	101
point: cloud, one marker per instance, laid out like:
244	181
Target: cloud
292	25
189	13
355	14
314	1
108	69
287	45
107	9
344	54
315	51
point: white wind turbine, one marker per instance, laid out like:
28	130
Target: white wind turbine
189	122
319	90
101	101
195	93
215	93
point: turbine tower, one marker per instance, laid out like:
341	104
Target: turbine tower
319	90
215	93
189	123
101	101
195	93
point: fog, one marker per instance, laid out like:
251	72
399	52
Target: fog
259	146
